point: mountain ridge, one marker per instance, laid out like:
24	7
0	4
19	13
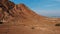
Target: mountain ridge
21	20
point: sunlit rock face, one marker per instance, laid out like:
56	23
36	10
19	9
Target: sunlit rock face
19	19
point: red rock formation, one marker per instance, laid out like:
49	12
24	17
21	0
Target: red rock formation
21	20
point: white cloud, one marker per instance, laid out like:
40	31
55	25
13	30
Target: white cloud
55	0
50	5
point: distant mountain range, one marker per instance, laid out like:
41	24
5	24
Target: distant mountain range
54	16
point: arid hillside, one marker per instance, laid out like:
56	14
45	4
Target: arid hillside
19	19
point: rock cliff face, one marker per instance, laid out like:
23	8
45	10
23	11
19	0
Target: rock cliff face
19	19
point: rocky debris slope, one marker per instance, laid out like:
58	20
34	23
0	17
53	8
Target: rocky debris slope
21	20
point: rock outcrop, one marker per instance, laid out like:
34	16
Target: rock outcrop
19	19
7	5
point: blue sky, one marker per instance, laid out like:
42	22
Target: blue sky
42	7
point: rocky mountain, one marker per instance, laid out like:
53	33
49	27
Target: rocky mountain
19	19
